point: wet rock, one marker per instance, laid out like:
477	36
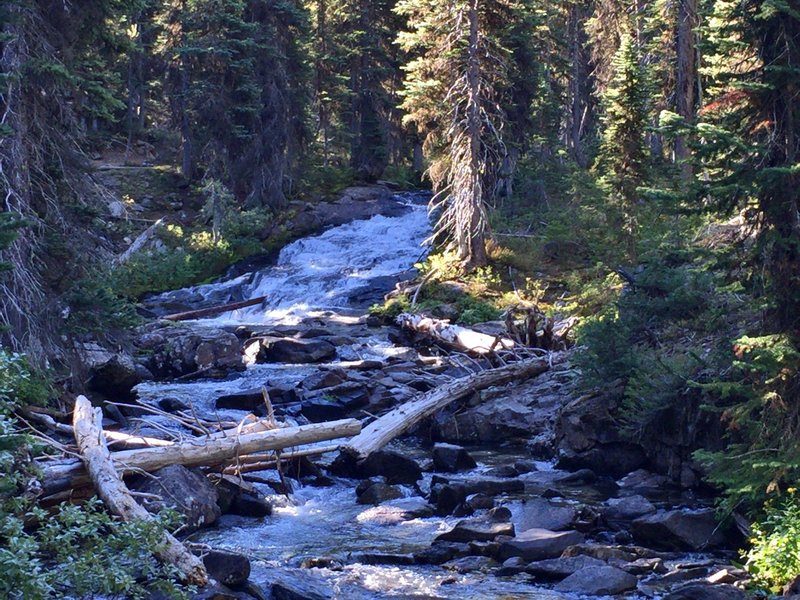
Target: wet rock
112	374
493	487
484	528
556	569
679	530
512	566
451	458
229	568
627	508
541	514
680	575
217	591
323	408
699	591
248	400
643	566
324	379
289	350
396	511
186	491
538	544
395	467
598	581
579	477
642	480
352	395
172	405
383	558
615	553
174	351
479	501
469	564
379	492
446	498
301	588
441	552
502	471
614	459
250	505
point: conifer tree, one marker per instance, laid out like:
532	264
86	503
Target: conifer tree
453	94
622	161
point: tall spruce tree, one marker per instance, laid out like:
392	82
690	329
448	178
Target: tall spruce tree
454	95
622	161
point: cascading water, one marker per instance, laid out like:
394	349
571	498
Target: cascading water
323	271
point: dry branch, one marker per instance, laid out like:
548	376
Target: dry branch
110	487
140	242
201	451
381	431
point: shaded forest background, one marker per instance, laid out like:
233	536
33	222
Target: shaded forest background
632	163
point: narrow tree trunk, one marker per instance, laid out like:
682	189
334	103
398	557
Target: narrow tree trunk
473	248
685	77
187	166
95	455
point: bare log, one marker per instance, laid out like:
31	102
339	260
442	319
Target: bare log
210	311
140	242
109	485
384	429
114	438
201	451
454	336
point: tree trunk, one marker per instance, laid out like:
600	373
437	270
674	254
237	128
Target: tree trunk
686	76
187	165
95	455
473	246
454	336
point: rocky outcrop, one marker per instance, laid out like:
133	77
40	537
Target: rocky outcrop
679	530
538	544
178	350
598	581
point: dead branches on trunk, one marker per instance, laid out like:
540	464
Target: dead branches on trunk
455	337
111	489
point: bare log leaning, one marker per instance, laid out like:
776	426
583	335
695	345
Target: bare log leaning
454	336
213	310
86	423
204	451
384	429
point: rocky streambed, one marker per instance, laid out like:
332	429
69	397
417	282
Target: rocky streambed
519	491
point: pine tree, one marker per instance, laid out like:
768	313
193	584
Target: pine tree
622	161
454	94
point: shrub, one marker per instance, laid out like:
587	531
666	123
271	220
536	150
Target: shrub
774	558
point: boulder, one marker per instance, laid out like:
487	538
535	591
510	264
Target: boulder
598	581
229	568
172	405
323	408
441	552
469	564
484	528
324	379
184	490
556	569
112	374
627	508
397	511
248	400
700	591
395	467
378	493
250	505
451	458
539	513
177	350
615	553
679	530
538	544
446	498
290	350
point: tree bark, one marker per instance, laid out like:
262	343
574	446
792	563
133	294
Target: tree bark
685	77
454	336
201	451
384	429
111	489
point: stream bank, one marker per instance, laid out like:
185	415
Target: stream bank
504	516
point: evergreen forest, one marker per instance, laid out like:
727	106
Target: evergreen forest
613	187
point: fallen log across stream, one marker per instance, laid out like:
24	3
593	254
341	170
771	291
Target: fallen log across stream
97	458
211	311
384	429
199	451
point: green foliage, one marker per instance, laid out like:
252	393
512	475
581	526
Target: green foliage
80	551
472	310
96	306
774	557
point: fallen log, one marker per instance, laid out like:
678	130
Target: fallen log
96	457
140	242
210	311
384	429
200	451
454	336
